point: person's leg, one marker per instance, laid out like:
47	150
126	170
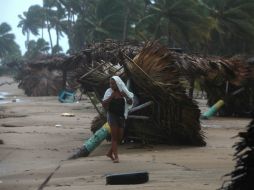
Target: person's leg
110	120
120	134
114	142
110	154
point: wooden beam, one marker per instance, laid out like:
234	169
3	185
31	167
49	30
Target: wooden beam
91	71
138	117
140	107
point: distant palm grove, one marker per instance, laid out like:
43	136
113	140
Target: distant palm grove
211	27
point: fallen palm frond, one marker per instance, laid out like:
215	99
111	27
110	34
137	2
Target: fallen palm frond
243	175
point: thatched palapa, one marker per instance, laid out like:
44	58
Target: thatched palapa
41	77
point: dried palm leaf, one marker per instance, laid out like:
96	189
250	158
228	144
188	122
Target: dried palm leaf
243	175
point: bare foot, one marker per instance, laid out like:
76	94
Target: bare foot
116	160
110	156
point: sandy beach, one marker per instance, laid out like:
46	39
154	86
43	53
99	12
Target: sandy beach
36	138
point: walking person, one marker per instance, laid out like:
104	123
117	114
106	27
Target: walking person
117	101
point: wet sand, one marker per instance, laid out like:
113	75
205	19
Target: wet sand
36	137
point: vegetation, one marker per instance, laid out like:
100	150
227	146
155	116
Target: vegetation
211	27
7	41
206	26
9	50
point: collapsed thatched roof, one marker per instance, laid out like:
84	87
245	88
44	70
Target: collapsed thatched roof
162	75
219	78
156	76
36	75
211	72
221	84
103	60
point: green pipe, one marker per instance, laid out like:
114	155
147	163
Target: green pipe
212	111
96	139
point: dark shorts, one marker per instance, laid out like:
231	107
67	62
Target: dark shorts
115	120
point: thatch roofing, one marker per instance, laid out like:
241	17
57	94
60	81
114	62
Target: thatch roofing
156	73
156	76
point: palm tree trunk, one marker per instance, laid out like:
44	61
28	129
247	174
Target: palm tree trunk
171	41
42	30
50	37
191	90
27	39
125	22
57	37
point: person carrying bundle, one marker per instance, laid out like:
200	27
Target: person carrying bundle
117	101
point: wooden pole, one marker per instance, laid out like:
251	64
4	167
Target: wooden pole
140	107
138	117
64	78
95	105
96	68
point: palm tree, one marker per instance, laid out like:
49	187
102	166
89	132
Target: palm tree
177	22
234	30
72	10
36	48
133	10
105	20
7	43
55	14
31	21
96	20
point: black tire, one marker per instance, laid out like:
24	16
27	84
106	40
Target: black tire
127	178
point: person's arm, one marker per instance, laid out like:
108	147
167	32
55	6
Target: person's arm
128	100
108	100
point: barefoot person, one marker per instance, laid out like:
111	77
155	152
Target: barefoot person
117	101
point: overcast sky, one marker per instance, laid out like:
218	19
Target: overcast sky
9	11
